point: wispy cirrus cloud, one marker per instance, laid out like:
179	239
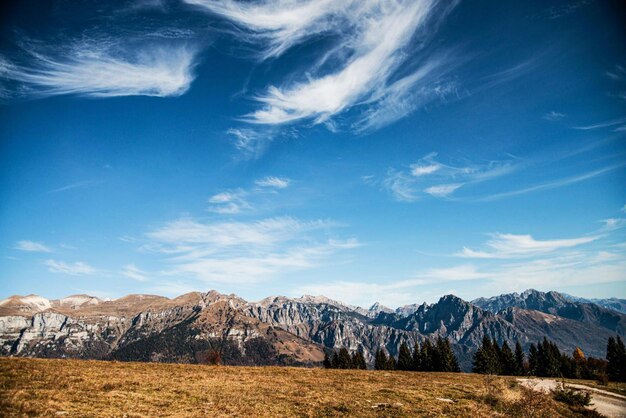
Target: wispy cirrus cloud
76	185
252	143
611	224
234	201
553	116
243	252
429	176
230	202
512	246
78	268
32	246
103	69
370	41
618	73
133	272
275	182
551	184
604	124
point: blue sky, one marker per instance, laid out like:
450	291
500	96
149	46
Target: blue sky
367	150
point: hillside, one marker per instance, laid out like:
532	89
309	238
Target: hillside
75	388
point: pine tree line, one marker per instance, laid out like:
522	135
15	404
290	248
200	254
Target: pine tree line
343	360
492	358
546	360
437	357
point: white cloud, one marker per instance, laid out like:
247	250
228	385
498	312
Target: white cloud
428	176
553	116
250	142
617	74
511	245
229	203
133	272
101	71
395	293
276	182
551	184
243	252
74	269
370	41
605	124
550	272
442	190
32	246
78	184
614	223
421	170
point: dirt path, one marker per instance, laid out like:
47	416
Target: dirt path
607	403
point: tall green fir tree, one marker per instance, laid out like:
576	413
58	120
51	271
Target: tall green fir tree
507	360
486	359
417	358
380	361
358	361
533	360
327	361
446	360
344	361
616	359
427	356
405	360
519	359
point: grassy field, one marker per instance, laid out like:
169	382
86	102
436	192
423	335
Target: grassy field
70	388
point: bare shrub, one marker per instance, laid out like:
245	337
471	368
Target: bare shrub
531	404
211	357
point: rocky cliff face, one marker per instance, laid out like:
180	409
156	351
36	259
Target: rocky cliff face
281	330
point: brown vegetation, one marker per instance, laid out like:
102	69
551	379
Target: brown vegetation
69	388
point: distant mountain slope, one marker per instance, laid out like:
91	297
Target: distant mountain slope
556	304
282	330
615	304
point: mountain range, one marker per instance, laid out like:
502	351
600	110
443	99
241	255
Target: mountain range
290	331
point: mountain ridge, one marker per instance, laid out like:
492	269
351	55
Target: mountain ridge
283	330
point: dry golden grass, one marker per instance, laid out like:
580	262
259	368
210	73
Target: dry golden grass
68	388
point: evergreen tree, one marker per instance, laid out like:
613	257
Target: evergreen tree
391	363
446	360
549	359
485	359
327	362
497	354
358	361
344	361
533	360
616	358
417	358
335	361
519	359
405	361
380	361
507	360
621	351
426	355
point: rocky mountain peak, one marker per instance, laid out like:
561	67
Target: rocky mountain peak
377	307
